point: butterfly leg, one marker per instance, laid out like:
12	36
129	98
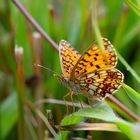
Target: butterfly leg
71	97
64	98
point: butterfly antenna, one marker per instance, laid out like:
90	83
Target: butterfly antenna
48	69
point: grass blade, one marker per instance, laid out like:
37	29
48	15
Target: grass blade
135	96
133	7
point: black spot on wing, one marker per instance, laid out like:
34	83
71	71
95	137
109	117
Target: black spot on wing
97	66
91	64
95	58
88	54
96	54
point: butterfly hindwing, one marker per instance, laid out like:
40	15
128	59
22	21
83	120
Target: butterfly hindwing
102	82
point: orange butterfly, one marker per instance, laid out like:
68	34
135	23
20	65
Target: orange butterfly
92	73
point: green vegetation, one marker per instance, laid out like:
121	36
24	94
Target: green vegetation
32	105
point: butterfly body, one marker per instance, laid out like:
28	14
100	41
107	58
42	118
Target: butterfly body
92	73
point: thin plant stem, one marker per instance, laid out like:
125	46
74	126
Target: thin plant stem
20	90
59	102
42	116
46	122
124	108
35	24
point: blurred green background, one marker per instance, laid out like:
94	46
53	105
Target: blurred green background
22	85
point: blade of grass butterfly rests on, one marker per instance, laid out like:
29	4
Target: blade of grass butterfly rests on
100	111
103	112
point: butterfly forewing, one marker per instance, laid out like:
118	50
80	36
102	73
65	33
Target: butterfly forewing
93	59
68	57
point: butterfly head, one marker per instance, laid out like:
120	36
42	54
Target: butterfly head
68	83
62	79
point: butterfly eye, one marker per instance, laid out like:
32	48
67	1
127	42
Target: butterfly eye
64	79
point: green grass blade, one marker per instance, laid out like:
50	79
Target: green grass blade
104	112
69	120
133	7
8	115
96	28
132	131
99	111
135	96
128	67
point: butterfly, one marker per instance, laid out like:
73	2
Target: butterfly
93	73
